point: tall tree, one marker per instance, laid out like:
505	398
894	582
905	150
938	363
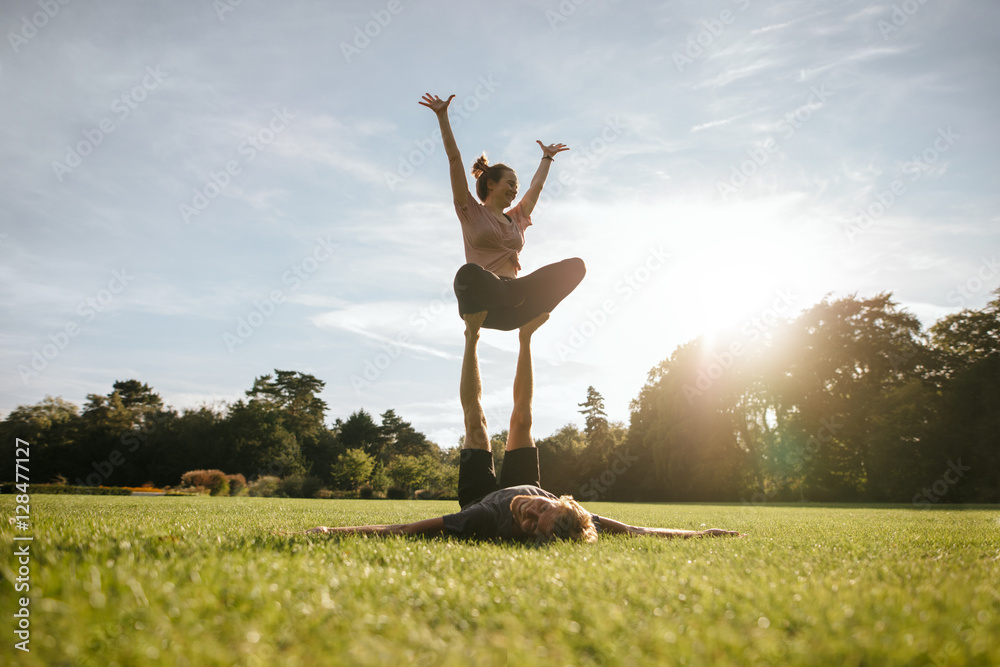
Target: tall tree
685	441
135	394
560	461
360	431
51	429
401	439
968	419
258	444
596	428
294	397
836	366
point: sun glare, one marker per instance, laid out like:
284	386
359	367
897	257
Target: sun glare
745	272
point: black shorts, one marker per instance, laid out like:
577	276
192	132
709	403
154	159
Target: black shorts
513	302
477	476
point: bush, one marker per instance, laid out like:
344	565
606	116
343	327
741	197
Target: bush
396	493
366	492
379	480
353	468
426	494
300	486
237	484
216	481
266	486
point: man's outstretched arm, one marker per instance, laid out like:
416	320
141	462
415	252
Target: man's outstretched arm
433	526
611	527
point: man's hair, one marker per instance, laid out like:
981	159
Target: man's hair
571	522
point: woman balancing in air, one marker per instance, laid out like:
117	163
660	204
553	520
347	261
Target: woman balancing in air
493	230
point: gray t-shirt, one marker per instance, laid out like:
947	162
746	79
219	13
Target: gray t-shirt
491	518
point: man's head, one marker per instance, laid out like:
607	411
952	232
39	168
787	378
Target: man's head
552	519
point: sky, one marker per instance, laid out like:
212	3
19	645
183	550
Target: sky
195	193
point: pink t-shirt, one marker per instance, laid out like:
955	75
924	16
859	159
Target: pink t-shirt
490	243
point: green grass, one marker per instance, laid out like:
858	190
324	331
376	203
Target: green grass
203	581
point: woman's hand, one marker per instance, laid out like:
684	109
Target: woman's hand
435	103
551	150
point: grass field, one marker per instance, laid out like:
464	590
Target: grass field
202	581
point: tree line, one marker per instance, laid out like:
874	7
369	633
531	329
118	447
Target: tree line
129	437
849	401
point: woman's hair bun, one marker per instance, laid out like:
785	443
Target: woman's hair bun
481	166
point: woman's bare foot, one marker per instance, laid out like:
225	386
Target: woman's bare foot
532	326
474	322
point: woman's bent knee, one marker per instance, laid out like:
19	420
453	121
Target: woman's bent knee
467	273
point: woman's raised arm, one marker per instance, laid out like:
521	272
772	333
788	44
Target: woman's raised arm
459	183
530	197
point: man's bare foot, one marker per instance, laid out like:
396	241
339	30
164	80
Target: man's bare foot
532	326
474	322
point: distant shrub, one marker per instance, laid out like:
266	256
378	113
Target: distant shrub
325	494
300	486
237	484
366	492
216	481
396	493
379	480
266	486
426	494
353	468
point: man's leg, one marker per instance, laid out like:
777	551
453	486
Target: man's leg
519	435
471	387
476	475
520	461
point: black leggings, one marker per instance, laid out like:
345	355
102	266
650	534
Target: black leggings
513	302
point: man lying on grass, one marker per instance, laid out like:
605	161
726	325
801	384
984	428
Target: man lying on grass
517	508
